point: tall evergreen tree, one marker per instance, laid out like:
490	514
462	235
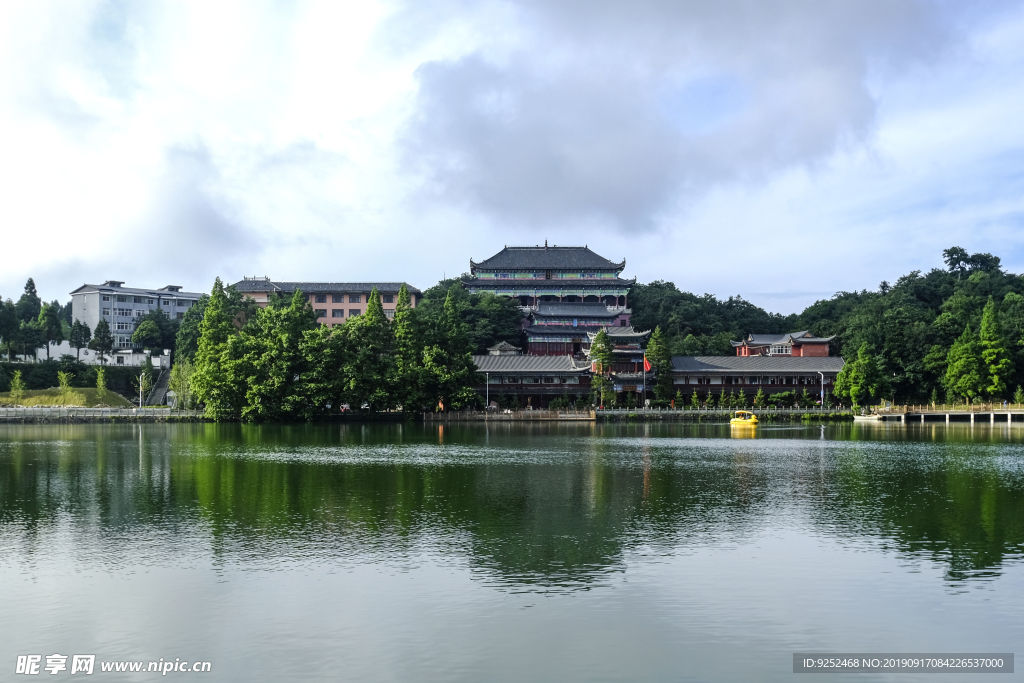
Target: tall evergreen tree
102	340
9	326
51	326
80	337
211	382
266	360
994	351
29	305
601	357
965	368
448	369
660	357
369	368
408	354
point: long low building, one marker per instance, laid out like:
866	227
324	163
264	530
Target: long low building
333	302
531	380
772	374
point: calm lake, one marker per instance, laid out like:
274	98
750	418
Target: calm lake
572	552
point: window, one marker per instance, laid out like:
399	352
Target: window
781	350
320	298
389	313
123	312
549	380
139	313
337	312
165	302
106	311
352	312
122	299
355	298
122	341
389	298
703	380
500	275
337	298
123	326
106	297
321	312
138	299
182	303
150	302
181	316
511	380
120	360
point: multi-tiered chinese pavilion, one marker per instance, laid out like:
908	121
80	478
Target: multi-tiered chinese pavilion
567	294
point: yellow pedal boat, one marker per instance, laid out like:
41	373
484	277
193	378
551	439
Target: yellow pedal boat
743	417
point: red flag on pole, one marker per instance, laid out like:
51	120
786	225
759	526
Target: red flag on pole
647	364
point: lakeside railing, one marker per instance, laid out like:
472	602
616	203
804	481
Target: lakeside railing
947	408
74	412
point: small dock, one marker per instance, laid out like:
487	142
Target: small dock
960	414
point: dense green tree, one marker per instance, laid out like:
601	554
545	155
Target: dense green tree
266	360
408	353
9	327
221	391
994	352
860	380
601	357
660	357
966	373
759	400
29	305
80	337
51	325
448	369
237	307
369	368
147	335
102	340
31	337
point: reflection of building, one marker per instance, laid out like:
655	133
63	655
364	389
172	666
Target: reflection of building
798	344
772	374
567	295
123	307
333	302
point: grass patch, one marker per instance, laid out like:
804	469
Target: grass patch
84	397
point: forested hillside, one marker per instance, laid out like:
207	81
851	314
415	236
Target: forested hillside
911	331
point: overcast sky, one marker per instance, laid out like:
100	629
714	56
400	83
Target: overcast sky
778	150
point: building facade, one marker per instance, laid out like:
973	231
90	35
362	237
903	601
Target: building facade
794	344
531	381
333	302
772	374
567	295
122	307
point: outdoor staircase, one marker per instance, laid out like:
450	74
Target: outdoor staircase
158	395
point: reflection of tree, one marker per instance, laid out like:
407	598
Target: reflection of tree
388	492
956	505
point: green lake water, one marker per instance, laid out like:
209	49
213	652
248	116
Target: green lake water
571	552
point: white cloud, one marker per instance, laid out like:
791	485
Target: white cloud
775	149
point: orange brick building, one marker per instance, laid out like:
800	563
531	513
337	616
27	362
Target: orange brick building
794	344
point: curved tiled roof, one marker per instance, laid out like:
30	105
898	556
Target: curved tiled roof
740	364
491	363
804	337
546	258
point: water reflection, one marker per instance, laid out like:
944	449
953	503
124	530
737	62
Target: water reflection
537	507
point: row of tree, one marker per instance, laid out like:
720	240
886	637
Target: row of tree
278	363
952	334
